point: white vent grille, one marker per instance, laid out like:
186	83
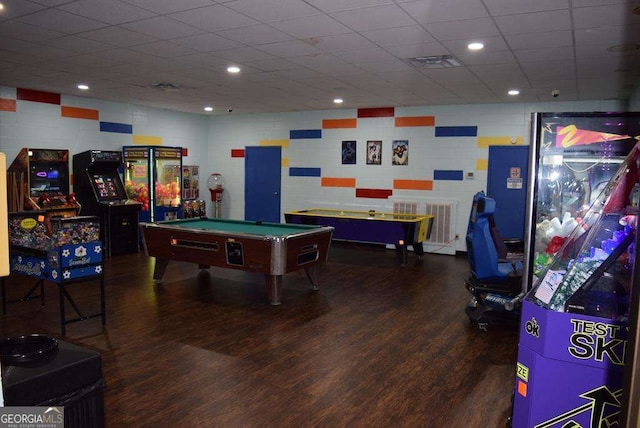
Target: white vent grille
442	239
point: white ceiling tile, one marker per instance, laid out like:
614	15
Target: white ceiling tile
213	18
366	55
498	72
272	10
466	29
78	44
550	39
207	42
585	3
513	7
452	76
58	20
602	51
544	70
290	49
329	6
243	54
342	42
418	49
162	27
427	11
21	31
398	35
117	36
16	8
604	16
255	35
312	26
499	57
538	22
170	6
112	12
373	18
610	35
550	54
163	49
273	65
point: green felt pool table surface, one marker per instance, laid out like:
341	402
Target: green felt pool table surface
239	226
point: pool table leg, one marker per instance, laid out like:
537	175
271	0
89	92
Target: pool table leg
158	270
274	288
313	273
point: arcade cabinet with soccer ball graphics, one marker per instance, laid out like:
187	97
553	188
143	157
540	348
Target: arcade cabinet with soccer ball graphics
496	268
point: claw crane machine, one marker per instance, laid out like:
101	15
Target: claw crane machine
153	176
580	260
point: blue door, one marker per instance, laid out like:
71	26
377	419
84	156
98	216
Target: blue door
262	169
507	184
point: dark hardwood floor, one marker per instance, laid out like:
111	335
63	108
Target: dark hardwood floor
379	345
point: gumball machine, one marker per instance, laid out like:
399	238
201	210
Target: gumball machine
215	182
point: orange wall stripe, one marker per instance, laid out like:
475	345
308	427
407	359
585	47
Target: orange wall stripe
80	113
338	182
413	184
7	104
416	121
339	123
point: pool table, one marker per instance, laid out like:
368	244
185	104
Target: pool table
272	249
371	226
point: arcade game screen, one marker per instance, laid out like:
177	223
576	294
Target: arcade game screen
48	177
106	186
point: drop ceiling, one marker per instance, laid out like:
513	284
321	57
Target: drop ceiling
299	55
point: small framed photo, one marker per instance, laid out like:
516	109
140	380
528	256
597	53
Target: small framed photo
348	152
400	152
374	152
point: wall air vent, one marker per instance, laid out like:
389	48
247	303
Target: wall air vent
433	61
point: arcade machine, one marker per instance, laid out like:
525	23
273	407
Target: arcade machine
99	188
39	181
153	176
575	158
496	268
192	205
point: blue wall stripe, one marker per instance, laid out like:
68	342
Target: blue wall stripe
305	172
456	131
121	128
443	174
305	133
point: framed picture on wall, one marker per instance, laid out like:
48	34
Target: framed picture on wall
374	152
348	152
400	152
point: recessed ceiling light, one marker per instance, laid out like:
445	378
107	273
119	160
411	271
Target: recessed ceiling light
475	46
233	69
513	92
82	86
1	6
338	100
208	108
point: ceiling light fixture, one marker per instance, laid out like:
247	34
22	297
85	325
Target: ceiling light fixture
475	46
338	100
513	92
208	108
1	6
233	69
82	86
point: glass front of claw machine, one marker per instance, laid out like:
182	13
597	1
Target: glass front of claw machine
153	176
573	157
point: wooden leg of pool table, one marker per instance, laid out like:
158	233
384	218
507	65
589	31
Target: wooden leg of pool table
313	273
158	270
274	288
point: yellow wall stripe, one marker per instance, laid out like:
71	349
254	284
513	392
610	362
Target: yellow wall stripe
281	143
482	164
499	141
285	162
147	140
